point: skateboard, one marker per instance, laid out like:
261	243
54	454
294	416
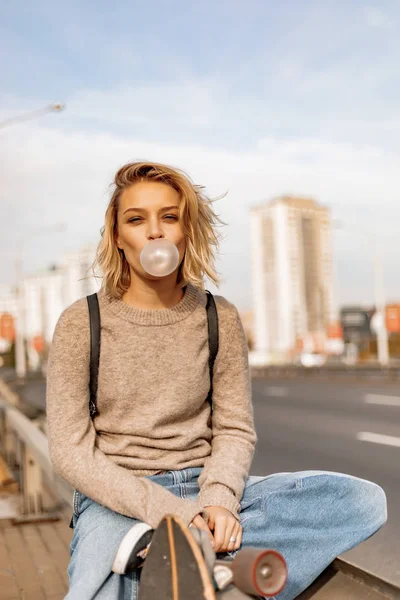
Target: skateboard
181	565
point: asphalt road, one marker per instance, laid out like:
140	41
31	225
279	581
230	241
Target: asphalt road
348	427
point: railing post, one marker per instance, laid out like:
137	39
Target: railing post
10	440
25	445
32	500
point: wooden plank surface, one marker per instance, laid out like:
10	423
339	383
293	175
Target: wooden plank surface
33	560
26	575
8	585
58	551
51	580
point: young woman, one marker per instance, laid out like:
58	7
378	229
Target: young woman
153	448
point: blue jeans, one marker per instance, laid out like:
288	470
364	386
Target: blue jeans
310	517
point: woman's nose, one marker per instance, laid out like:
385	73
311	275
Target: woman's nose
155	230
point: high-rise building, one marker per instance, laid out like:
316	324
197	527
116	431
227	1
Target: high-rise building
292	273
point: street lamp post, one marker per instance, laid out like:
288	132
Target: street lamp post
34	114
381	333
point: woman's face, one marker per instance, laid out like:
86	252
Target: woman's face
148	210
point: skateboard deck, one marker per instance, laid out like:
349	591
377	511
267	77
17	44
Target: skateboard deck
174	568
180	565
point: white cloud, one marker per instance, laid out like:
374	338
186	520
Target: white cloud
337	102
377	18
182	102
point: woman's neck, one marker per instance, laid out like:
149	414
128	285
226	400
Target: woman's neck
161	295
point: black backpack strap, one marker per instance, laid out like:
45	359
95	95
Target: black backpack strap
94	319
213	338
94	316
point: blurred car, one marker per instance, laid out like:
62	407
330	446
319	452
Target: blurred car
311	359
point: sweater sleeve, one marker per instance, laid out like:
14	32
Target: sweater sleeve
225	472
72	435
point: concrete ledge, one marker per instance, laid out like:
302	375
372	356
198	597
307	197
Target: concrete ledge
344	581
367	577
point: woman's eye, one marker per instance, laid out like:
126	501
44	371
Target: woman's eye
135	219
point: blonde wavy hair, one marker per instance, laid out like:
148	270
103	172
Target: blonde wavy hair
199	222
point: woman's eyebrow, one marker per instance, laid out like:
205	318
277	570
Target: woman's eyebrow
144	210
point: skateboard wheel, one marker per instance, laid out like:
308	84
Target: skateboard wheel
259	572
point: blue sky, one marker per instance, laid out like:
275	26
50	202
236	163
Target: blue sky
287	68
258	98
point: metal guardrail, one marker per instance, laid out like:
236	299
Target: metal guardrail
26	450
338	371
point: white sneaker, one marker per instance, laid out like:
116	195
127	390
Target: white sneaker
133	549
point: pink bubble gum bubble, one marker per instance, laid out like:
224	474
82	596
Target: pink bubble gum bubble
159	257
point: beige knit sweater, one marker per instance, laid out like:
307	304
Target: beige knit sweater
153	415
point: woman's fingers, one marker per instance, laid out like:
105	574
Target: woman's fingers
229	533
225	528
236	533
220	527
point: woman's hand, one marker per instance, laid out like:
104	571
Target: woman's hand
224	527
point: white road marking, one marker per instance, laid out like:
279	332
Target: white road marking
272	390
381	399
378	438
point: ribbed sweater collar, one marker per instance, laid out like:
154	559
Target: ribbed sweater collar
162	316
